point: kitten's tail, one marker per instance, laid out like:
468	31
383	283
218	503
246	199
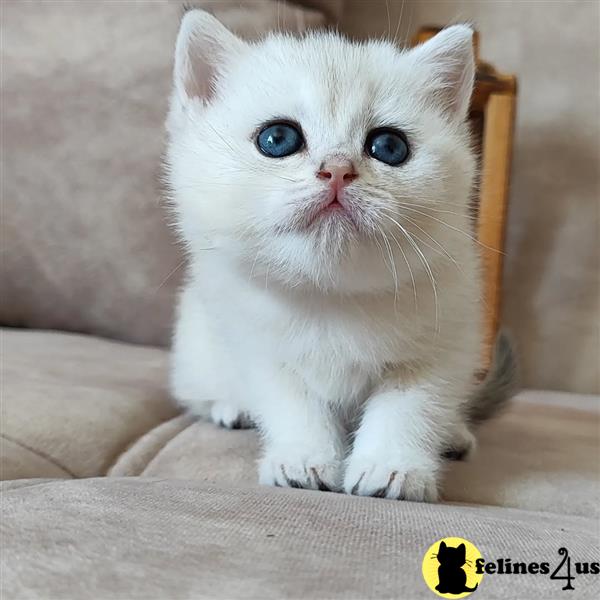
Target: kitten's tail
467	589
499	385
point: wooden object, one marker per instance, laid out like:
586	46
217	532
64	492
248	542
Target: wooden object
493	115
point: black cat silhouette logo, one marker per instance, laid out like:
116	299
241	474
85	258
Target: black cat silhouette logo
453	579
449	568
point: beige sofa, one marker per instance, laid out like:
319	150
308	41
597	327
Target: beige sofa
109	491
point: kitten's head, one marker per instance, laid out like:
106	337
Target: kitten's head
296	155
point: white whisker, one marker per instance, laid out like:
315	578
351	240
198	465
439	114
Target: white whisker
172	272
441	250
473	239
426	266
392	262
410	272
399	21
250	277
389	20
437	210
267	276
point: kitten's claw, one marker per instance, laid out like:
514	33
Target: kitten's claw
367	478
229	416
310	472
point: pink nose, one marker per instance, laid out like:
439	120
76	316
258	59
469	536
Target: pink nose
339	173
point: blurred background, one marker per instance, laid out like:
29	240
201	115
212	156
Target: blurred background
85	87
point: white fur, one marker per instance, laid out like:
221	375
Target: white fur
339	329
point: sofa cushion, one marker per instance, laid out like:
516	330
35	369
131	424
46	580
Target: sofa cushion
87	245
142	538
71	404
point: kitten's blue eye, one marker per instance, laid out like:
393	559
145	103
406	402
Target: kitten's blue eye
388	146
279	139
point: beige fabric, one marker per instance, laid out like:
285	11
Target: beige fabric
552	275
136	538
84	94
72	404
143	451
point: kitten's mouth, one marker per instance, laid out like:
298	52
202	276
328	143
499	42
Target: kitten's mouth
332	207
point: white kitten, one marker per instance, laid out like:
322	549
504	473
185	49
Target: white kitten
322	189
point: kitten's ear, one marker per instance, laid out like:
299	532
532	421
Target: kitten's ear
442	546
450	63
462	549
203	46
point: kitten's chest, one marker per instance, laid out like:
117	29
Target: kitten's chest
340	352
337	382
338	348
351	336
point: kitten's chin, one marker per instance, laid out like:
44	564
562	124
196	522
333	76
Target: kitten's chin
329	259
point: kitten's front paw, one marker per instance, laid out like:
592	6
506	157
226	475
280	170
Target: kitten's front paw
230	416
395	479
309	471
